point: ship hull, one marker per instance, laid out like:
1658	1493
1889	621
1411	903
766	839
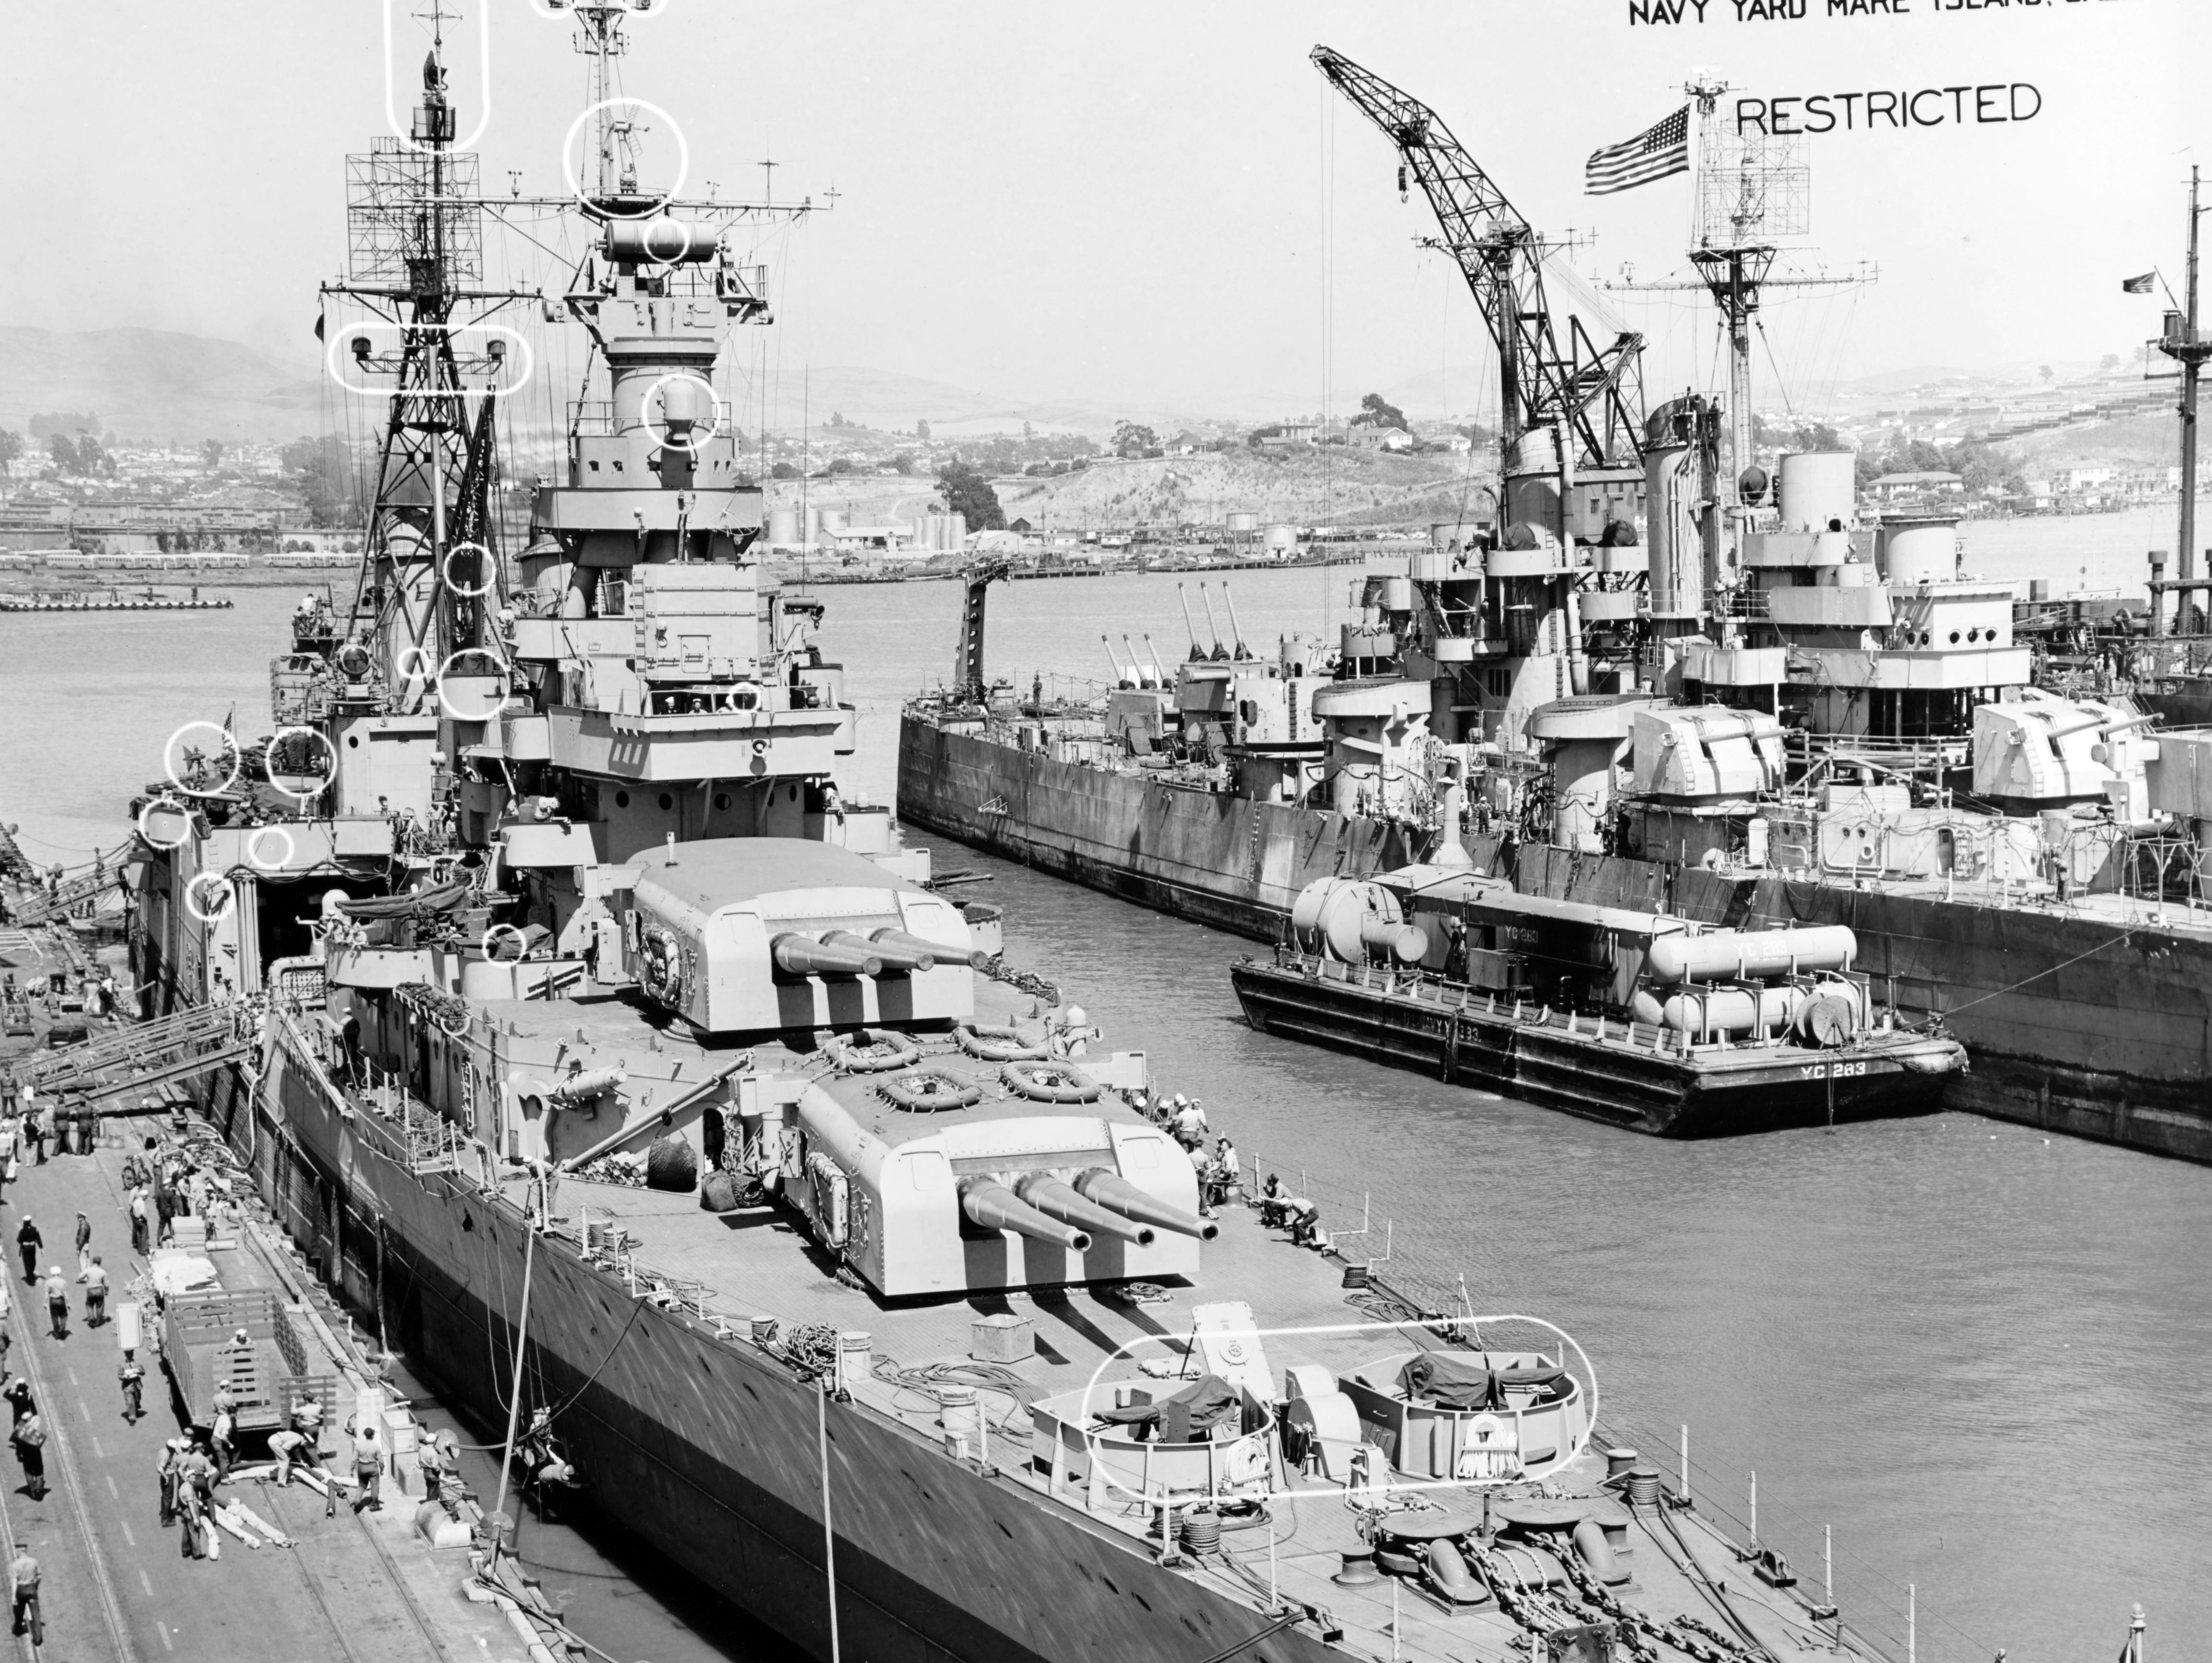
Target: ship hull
1601	1073
703	1452
2074	1024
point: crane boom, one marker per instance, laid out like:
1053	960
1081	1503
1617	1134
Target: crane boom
1594	393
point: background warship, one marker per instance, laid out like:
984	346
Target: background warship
1660	681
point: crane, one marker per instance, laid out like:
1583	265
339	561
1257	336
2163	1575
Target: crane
1595	394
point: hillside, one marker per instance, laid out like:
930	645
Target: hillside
155	385
1303	487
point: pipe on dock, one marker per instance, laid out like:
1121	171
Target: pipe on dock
1117	1194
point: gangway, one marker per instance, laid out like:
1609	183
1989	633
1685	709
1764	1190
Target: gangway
145	1056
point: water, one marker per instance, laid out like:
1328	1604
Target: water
1983	1358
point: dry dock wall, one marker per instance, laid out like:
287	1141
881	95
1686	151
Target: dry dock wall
2074	1024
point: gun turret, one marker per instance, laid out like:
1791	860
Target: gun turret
1117	1194
882	939
995	1207
1055	1199
799	956
895	956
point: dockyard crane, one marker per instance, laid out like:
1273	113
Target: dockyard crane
1595	394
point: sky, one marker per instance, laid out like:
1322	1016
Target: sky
1161	204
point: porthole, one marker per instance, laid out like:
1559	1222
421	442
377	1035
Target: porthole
1954	638
666	802
722	800
353	742
621	799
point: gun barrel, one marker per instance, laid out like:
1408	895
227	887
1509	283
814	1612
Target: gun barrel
895	955
1056	1200
995	1207
1117	1194
799	956
975	959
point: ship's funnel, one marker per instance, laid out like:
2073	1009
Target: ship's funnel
896	955
1117	1194
881	939
995	1207
1051	1197
797	955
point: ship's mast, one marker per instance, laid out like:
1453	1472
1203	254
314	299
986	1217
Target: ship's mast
2189	351
431	560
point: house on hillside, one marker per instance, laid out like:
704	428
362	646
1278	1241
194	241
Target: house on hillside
1924	483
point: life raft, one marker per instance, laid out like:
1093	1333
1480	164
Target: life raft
995	1044
871	1051
1051	1082
930	1091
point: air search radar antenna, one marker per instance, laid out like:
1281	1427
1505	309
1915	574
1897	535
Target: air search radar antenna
1752	192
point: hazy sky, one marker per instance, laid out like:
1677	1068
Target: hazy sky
1145	202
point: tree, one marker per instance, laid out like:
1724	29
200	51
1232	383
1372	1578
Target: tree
902	463
63	451
1131	438
91	457
783	470
921	431
2044	371
1376	411
11	446
211	449
967	493
2109	362
322	471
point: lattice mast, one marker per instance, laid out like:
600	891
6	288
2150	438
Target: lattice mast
1751	191
430	560
1593	393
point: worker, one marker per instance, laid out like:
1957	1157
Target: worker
17	1392
7	1339
95	1293
31	1122
290	1450
1305	1224
1189	1121
430	1453
1223	1177
29	1243
46	1133
83	1245
368	1468
173	1455
1201	1157
307	1422
141	1208
58	1302
223	1441
23	1589
1273	1205
31	1450
194	1476
132	1374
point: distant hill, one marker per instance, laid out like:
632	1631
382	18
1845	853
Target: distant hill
155	385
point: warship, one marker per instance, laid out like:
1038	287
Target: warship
652	1100
1659	679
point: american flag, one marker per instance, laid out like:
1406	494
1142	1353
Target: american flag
1665	150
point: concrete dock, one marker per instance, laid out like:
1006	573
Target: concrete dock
368	1588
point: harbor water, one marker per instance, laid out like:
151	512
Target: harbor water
1982	1358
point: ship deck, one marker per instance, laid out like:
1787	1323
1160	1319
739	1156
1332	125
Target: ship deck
760	1261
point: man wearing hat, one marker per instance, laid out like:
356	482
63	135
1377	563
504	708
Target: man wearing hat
28	1243
58	1302
31	1450
23	1585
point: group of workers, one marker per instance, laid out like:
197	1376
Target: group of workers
1220	1173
